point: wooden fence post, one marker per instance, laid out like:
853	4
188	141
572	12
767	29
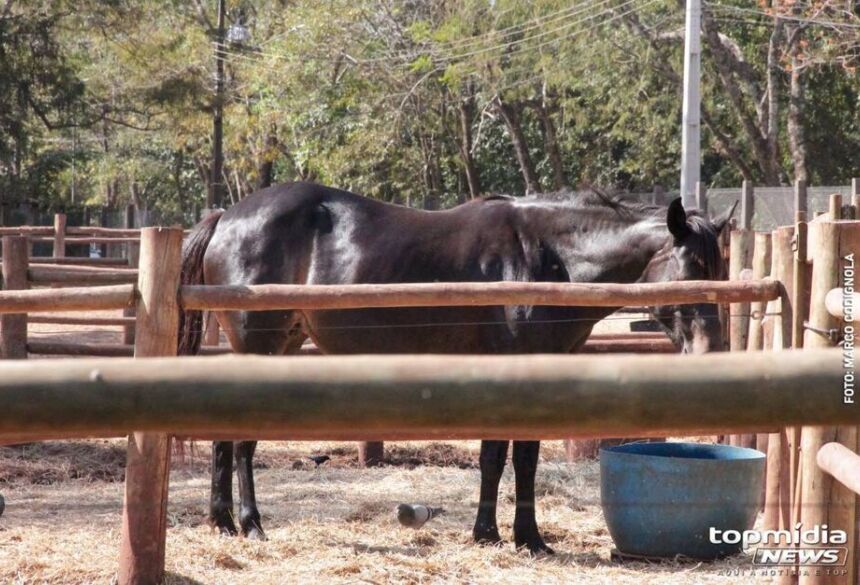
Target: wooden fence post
740	257
755	337
13	327
835	208
133	251
855	203
144	520
59	235
823	501
371	453
777	486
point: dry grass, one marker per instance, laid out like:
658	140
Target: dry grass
329	524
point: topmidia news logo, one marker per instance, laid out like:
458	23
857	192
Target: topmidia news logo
816	547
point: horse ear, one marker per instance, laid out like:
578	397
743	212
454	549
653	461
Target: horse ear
676	219
721	221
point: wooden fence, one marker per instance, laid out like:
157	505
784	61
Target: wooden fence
775	397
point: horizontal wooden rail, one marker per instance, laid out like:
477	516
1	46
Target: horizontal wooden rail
842	463
104	232
42	347
648	345
79	240
360	398
72	261
94	321
80	275
443	294
90	298
27	230
837	301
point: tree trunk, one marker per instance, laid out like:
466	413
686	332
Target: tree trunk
773	84
511	115
473	178
266	170
553	152
796	124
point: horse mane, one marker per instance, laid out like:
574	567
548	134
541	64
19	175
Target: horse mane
707	250
620	202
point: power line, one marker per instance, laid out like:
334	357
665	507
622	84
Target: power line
577	10
791	17
520	43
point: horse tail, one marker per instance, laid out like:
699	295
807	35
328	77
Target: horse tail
193	250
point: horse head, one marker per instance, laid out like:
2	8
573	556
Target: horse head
692	252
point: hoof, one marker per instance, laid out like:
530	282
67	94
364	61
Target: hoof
535	545
255	533
223	523
224	528
487	537
251	527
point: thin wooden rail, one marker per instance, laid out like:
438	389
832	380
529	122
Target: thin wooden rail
842	463
837	301
44	347
443	294
90	298
80	275
359	398
94	321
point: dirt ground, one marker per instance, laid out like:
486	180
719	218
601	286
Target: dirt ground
329	524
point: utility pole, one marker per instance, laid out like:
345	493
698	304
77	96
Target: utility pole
215	195
691	141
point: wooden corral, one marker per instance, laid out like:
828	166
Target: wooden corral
792	397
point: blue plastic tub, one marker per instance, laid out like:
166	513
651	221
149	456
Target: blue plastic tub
661	499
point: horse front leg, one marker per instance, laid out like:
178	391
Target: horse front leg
492	462
526	532
249	516
221	497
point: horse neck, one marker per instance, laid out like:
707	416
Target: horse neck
600	244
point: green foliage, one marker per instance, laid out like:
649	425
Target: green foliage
113	101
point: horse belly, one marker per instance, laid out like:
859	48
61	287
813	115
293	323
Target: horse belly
455	330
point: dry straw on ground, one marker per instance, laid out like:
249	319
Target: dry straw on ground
329	524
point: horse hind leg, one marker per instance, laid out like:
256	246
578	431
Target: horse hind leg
526	532
249	516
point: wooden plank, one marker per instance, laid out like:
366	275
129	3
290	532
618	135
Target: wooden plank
424	397
444	294
837	300
740	258
80	275
13	327
91	298
70	261
842	463
86	240
95	321
27	230
144	519
48	347
777	513
59	235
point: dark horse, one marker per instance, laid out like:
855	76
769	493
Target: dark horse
303	233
